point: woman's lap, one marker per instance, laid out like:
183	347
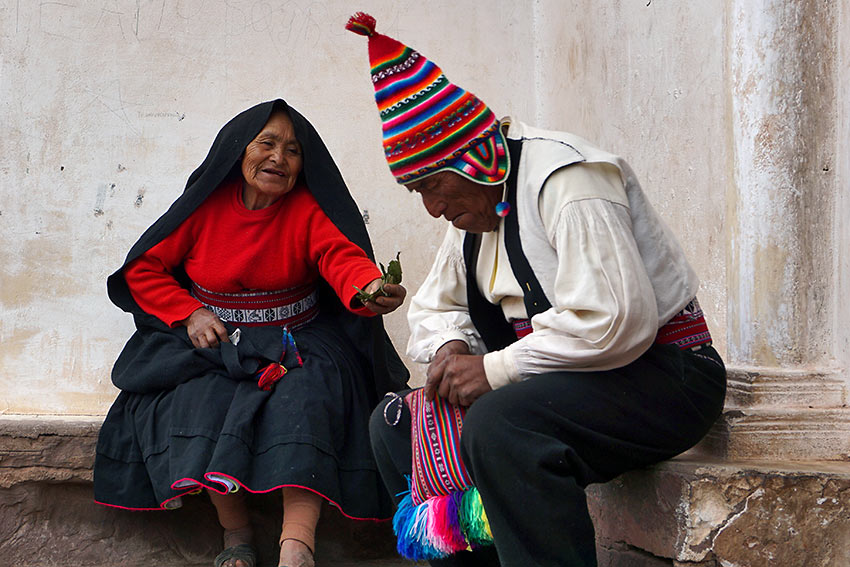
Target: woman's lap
311	429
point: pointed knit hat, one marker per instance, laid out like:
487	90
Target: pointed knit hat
429	124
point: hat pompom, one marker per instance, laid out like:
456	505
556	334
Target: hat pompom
361	23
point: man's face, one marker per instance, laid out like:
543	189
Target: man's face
467	205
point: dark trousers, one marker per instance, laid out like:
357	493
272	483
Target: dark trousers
532	447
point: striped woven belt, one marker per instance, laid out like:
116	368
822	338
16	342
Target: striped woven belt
687	329
291	308
522	327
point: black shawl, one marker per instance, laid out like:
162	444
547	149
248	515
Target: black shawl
324	181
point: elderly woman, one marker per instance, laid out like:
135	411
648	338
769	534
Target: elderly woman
254	367
559	318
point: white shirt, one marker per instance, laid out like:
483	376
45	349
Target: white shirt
597	322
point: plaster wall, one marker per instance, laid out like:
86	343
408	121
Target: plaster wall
647	80
107	105
841	235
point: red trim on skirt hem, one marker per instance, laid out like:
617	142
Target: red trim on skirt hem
194	488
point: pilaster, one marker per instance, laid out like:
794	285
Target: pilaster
787	399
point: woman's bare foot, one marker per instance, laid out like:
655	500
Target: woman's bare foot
295	553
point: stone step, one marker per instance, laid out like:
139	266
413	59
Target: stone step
59	524
48	516
697	512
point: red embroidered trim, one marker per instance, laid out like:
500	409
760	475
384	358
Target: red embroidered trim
687	329
293	307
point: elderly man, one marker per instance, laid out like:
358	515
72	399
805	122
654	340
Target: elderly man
559	323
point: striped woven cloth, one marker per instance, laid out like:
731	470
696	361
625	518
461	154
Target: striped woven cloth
438	468
687	329
442	513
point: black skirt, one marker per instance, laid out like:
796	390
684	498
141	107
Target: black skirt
310	430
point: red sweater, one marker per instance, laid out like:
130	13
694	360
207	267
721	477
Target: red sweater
227	248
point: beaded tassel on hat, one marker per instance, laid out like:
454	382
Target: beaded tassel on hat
429	124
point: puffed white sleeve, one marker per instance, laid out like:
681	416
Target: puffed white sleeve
439	312
604	312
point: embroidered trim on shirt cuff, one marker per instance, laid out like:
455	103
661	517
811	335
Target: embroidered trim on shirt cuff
455	334
499	368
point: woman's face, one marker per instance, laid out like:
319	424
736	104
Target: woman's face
271	163
467	205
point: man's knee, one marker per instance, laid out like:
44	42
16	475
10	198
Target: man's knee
389	424
484	426
378	427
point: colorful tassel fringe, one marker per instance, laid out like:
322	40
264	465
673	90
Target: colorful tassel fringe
362	24
441	525
269	375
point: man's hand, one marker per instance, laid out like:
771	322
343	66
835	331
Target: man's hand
383	304
205	329
456	375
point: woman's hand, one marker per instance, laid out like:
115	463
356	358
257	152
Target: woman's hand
383	304
456	375
205	329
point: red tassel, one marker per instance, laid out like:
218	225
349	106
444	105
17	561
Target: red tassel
361	23
271	374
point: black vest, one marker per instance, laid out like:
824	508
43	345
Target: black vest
488	319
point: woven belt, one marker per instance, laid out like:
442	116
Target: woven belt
522	327
292	308
687	329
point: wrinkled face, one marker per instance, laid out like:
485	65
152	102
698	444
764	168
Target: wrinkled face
272	161
467	205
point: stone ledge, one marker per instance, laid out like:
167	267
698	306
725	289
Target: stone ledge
691	511
48	516
47	448
703	513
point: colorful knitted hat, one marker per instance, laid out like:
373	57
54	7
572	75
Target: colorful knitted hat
430	124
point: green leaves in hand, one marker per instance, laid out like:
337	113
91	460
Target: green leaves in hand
389	275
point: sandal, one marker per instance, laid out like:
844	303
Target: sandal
243	552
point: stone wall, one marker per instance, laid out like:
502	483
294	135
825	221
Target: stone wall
730	514
48	515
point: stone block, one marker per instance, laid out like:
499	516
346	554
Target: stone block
735	514
48	516
45	524
624	556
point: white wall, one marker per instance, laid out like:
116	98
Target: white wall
646	80
107	105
